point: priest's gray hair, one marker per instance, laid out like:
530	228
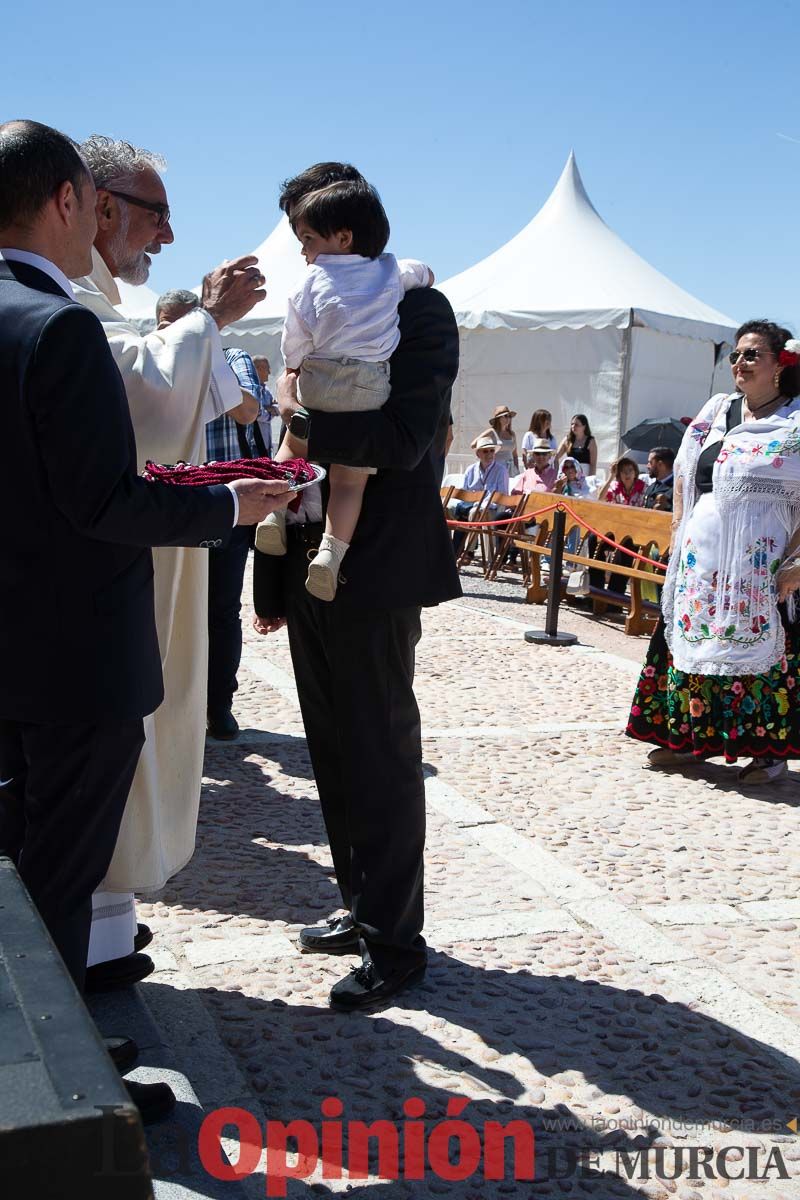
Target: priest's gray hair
118	163
174	297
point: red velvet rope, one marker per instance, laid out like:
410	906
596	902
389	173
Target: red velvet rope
294	470
532	518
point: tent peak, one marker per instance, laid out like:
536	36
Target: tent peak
568	194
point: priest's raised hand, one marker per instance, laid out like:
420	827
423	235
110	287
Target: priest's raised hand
232	289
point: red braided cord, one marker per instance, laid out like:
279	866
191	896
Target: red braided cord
651	562
530	517
533	517
294	470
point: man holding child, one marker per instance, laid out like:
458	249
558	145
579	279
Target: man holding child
354	655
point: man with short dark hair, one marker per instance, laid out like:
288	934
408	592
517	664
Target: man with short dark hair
80	658
354	656
660	462
224	443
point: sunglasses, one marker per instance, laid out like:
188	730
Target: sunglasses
750	355
153	206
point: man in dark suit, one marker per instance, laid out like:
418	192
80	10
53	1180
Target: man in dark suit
660	465
78	647
354	657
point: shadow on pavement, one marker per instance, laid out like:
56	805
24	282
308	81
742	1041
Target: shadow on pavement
637	1050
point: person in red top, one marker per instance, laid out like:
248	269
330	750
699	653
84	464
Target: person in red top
625	486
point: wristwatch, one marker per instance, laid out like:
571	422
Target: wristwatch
300	423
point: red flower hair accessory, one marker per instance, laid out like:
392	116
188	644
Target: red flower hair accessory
790	354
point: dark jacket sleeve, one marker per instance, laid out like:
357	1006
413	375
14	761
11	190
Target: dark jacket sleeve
77	400
423	366
269	580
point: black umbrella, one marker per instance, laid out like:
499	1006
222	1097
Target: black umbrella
655	431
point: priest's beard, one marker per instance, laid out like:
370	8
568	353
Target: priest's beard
131	268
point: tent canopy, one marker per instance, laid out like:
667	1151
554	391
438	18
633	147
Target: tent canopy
567	317
137	303
567	270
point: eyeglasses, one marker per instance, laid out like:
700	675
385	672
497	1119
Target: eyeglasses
750	354
153	206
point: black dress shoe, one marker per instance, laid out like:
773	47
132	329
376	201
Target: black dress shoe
153	1100
222	726
118	973
123	1052
144	936
338	936
365	987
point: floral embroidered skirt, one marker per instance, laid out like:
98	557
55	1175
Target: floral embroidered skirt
736	716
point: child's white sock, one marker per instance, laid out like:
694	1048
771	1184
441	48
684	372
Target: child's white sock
323	572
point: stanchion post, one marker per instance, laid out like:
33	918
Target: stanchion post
549	635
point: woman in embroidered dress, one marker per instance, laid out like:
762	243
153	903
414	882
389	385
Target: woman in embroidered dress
722	673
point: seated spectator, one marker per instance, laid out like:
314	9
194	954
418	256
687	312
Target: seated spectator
571	481
624	485
580	444
538	430
502	436
485	475
659	466
540	475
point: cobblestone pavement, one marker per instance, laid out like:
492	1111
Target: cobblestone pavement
613	950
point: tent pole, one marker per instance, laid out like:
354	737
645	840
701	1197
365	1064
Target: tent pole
625	378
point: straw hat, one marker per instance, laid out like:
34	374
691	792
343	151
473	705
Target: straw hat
541	446
502	410
485	443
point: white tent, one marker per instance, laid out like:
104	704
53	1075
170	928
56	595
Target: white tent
137	303
568	317
283	266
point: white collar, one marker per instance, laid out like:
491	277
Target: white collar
41	264
102	279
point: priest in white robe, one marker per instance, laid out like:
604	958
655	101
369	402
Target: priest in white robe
176	380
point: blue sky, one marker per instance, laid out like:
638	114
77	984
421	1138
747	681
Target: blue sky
684	118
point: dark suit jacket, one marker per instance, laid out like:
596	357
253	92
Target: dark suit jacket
77	627
663	487
401	554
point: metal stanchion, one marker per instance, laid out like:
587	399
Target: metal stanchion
549	635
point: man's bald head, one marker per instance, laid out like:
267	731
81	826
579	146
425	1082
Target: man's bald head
35	161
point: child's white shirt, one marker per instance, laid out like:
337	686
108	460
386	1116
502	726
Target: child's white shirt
347	308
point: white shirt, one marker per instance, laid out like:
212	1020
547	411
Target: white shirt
347	308
42	264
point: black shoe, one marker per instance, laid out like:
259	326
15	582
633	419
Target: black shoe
153	1100
338	936
222	726
118	973
123	1052
144	936
364	987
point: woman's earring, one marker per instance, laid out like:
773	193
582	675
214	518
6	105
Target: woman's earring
776	379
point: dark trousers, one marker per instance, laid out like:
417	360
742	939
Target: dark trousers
64	790
354	669
225	578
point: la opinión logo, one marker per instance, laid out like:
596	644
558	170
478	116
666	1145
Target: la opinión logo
453	1149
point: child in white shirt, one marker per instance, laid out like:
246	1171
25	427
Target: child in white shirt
341	329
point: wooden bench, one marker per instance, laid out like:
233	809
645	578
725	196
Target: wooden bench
638	528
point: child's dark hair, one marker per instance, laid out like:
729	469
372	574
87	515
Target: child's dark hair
349	204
